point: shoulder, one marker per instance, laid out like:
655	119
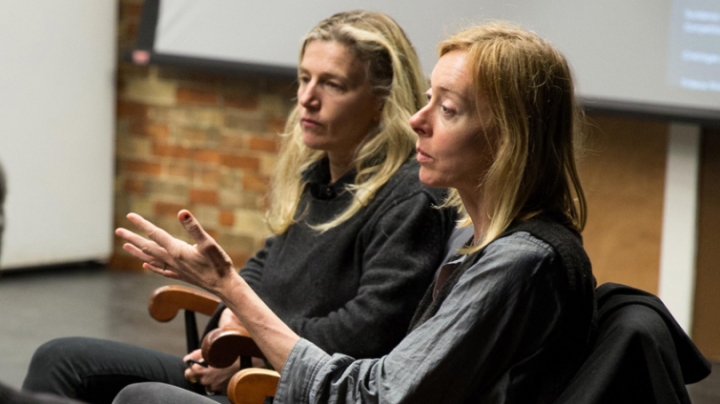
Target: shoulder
520	247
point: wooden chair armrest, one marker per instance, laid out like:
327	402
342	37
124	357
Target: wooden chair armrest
252	385
222	346
166	301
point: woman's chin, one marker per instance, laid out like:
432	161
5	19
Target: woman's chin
312	141
431	180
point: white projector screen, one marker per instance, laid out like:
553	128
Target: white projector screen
659	57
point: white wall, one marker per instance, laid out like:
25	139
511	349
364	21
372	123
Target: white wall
57	112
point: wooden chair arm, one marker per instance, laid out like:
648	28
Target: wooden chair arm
221	347
252	386
166	301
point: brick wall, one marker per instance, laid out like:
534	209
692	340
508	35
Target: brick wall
190	139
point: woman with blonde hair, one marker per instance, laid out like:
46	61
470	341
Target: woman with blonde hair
509	316
356	235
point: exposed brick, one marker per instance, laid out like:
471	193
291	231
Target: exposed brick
250	222
133	147
196	97
248	102
206	176
235	243
181	170
133	186
226	218
276	125
157	131
211	232
164	189
130	10
207	156
204	196
255	182
248	163
193	136
196	117
127	109
124	262
239	259
168	150
141	167
232	140
131	29
231	198
167	208
254	122
262	144
213	134
268	162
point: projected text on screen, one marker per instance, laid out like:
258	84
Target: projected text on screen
695	45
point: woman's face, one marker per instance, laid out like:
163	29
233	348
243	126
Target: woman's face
453	148
337	110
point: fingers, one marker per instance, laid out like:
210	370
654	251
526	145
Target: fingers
190	375
168	273
154	233
137	253
196	355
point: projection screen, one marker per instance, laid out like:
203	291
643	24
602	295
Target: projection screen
658	57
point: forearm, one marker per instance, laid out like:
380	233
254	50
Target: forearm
272	336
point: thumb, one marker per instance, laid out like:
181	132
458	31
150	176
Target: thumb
192	226
206	244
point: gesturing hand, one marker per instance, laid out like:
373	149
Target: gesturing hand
204	264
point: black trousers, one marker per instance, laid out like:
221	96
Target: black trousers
94	370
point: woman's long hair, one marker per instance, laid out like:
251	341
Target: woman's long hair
394	76
535	121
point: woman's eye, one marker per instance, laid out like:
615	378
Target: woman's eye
334	85
447	111
304	79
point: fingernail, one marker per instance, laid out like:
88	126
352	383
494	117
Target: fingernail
185	216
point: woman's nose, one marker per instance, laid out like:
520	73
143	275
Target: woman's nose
306	95
419	122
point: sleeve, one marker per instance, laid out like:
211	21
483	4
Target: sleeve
400	250
252	273
488	321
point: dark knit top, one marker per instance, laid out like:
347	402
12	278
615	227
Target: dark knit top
353	288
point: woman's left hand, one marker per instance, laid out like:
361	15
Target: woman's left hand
204	264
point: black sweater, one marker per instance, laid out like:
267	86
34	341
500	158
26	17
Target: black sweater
353	288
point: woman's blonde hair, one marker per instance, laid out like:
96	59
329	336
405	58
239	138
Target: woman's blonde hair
536	122
394	76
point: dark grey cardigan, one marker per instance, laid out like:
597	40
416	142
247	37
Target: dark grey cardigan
353	288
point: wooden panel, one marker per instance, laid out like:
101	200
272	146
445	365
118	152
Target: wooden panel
706	320
623	175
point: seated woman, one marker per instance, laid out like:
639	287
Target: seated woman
357	236
509	317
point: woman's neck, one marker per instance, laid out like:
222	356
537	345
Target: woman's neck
339	165
473	201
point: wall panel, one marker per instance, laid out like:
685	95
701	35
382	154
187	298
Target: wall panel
623	172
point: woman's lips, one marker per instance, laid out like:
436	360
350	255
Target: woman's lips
423	157
309	123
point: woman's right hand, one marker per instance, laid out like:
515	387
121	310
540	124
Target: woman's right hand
214	379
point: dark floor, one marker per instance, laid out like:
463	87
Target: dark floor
87	301
96	302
